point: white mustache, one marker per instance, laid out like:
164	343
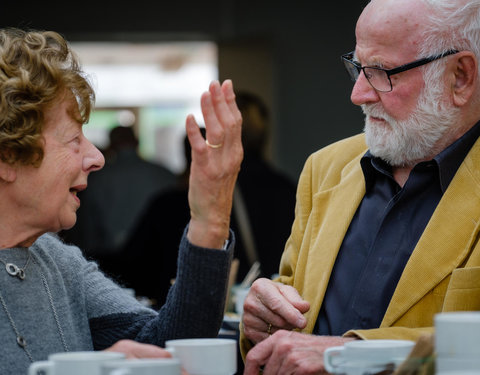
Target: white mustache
374	110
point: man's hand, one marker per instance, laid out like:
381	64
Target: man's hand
270	306
287	352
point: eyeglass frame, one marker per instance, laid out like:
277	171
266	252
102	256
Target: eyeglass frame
348	58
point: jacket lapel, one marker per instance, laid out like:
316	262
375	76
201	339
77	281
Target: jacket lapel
339	205
446	241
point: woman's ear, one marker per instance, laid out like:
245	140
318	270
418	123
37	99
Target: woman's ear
465	73
8	173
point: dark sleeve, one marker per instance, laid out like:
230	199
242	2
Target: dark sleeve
194	307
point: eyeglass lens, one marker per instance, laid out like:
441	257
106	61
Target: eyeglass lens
378	78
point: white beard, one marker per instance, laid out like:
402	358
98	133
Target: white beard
403	143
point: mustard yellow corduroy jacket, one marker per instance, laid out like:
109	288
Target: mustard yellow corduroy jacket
443	272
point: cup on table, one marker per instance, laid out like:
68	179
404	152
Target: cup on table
73	363
457	341
147	366
366	356
205	356
239	295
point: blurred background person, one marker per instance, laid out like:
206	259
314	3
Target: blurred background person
263	212
267	194
116	197
150	270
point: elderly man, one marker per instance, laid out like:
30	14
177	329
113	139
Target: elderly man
386	227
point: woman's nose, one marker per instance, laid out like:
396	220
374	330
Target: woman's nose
93	159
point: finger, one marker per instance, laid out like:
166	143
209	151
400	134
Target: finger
273	365
133	349
257	357
150	351
291	294
197	142
215	132
281	354
229	94
256	329
270	295
223	110
259	314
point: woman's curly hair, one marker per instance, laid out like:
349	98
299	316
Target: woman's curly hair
36	69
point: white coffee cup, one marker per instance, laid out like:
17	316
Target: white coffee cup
205	356
239	296
73	363
360	356
150	366
447	364
457	334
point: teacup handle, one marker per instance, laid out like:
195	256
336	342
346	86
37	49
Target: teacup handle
331	358
41	368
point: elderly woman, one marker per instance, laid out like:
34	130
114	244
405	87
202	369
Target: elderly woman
51	298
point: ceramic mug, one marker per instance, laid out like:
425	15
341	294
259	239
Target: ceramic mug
147	366
73	363
366	356
445	364
457	335
205	356
239	295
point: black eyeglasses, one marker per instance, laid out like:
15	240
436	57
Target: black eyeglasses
379	78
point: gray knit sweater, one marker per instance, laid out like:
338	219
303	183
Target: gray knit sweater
94	312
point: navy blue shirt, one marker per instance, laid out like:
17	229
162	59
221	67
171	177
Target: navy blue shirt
382	235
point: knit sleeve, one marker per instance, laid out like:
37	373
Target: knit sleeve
194	306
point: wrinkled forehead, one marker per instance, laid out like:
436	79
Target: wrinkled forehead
395	24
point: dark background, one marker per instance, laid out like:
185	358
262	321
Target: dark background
288	52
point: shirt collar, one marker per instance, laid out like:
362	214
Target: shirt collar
448	161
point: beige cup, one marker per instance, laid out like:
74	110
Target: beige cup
73	363
361	356
205	356
150	366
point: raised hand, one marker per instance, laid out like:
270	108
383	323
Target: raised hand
215	166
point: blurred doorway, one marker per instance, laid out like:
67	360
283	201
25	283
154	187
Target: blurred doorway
150	86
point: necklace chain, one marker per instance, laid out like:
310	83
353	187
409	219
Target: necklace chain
19	338
54	311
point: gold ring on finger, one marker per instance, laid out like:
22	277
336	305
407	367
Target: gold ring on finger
213	146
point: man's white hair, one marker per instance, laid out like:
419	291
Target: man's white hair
449	25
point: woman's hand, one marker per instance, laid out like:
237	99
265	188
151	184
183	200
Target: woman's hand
215	166
133	349
136	350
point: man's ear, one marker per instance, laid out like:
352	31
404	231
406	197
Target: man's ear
465	74
8	173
